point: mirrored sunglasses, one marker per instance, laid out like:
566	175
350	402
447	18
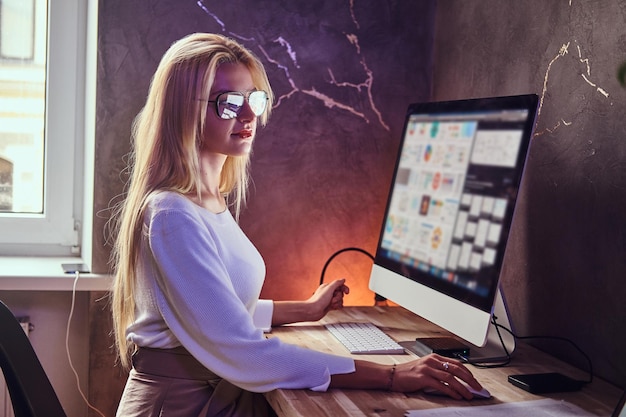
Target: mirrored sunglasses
228	105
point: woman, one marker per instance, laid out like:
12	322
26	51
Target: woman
185	297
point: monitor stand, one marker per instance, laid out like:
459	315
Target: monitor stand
492	351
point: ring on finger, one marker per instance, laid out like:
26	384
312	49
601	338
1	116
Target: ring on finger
446	366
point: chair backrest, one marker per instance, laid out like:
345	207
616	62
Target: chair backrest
32	394
620	408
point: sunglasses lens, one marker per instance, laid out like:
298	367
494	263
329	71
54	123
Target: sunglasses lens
229	105
258	102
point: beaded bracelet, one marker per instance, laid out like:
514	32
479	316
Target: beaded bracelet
393	372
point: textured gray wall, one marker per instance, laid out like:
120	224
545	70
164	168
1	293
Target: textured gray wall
565	268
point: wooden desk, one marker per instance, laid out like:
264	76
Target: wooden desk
599	397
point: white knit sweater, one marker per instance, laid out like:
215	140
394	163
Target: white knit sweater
199	280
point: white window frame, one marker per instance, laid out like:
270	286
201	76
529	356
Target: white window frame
58	232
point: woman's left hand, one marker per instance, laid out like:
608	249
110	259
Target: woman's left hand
328	296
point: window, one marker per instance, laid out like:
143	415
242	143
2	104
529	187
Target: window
23	75
42	125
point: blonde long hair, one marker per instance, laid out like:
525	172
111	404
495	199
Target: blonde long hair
167	134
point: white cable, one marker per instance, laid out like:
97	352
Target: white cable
67	347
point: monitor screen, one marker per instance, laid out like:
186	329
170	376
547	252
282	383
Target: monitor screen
450	208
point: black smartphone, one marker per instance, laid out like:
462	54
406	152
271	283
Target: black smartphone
545	383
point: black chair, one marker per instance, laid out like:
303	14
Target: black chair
31	393
620	408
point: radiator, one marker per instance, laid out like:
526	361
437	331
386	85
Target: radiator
6	409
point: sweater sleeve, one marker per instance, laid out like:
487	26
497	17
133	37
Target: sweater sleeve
262	316
201	307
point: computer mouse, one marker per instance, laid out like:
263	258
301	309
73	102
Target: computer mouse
483	393
478	394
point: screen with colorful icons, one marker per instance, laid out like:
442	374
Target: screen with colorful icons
453	194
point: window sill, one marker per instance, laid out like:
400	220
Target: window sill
46	274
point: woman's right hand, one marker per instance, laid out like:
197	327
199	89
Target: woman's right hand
430	372
434	372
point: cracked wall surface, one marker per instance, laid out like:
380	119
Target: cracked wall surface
565	267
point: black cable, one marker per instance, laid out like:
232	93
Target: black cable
558	338
334	255
377	297
508	354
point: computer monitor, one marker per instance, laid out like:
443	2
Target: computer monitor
449	213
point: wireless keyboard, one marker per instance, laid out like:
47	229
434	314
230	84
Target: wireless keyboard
364	338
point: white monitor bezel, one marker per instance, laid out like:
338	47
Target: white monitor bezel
433	305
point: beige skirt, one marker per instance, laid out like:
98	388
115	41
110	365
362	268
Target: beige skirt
171	382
